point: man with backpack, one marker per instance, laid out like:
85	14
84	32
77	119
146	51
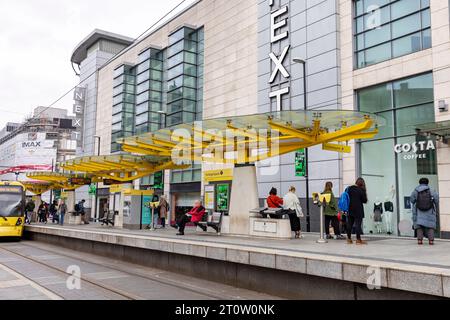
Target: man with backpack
79	209
425	202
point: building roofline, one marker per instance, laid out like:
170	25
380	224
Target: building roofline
80	51
159	27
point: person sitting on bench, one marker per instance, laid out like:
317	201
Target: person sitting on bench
195	216
274	202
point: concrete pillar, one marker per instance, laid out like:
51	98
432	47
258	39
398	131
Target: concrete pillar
37	202
244	197
443	155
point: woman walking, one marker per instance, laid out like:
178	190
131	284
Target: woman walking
294	210
331	213
358	197
163	207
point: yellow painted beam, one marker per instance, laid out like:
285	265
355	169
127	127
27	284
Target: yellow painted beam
336	147
290	131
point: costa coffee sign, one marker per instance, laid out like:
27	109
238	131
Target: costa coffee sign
416	150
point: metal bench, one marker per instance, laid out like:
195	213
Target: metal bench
109	219
274	213
213	221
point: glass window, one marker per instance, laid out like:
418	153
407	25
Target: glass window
175	72
378	54
176	59
403	8
144	86
426	39
409	118
140	108
156	85
408	44
142	97
377	35
378	170
190	69
117	118
175	48
414	90
156	64
411	167
175	83
406	25
155	96
142	118
177	36
190	57
400	27
143	77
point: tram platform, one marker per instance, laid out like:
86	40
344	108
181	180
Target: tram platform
398	265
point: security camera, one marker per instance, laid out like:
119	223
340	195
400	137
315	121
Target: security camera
443	106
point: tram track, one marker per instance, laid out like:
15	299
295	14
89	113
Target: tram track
126	295
114	267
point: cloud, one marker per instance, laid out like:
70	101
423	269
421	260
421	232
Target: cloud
38	38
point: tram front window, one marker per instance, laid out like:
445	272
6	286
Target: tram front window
10	204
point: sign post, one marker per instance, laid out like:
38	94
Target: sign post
300	163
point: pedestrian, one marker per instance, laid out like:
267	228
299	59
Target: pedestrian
331	213
195	216
29	209
274	202
358	197
163	209
42	212
294	210
79	208
53	210
62	210
425	202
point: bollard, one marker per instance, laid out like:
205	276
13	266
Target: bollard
152	223
322	223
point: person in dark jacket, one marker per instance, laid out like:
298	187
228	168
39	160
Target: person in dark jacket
425	202
53	211
358	197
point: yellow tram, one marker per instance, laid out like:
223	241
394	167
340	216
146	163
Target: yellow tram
12	209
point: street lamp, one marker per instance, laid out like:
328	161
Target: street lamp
305	103
97	214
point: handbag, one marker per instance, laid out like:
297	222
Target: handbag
298	209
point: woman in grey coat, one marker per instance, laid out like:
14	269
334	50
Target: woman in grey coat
425	202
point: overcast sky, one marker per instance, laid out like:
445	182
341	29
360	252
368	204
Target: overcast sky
37	38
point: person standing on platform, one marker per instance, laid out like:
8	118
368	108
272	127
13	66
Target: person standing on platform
425	202
62	210
331	213
358	197
29	209
163	208
294	210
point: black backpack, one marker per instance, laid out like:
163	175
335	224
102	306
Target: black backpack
77	207
424	200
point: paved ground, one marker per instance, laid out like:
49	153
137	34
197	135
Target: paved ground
395	250
37	271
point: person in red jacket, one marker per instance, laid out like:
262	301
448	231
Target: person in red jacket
195	215
274	201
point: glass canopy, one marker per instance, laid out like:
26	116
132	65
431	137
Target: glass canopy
244	139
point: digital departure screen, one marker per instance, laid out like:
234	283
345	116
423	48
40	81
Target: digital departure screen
11	189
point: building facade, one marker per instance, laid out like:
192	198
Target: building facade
37	144
227	58
89	55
